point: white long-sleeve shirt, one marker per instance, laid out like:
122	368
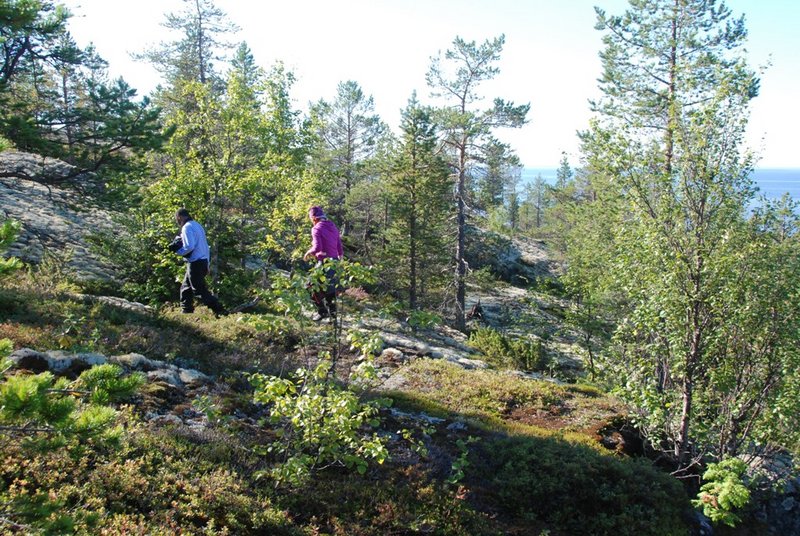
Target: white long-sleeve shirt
195	246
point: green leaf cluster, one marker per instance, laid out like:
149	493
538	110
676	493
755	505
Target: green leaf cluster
318	425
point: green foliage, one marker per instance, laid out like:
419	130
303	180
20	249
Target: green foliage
107	384
44	410
484	278
149	271
9	230
461	463
423	319
290	295
74	334
497	220
502	350
419	199
662	238
318	425
723	491
579	490
5	145
6	346
367	344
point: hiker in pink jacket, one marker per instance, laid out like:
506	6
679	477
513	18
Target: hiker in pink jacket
326	243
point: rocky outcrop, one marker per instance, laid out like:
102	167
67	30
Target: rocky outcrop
436	344
522	261
114	301
44	195
775	501
41	169
72	364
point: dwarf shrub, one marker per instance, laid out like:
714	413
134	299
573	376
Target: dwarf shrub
502	350
580	491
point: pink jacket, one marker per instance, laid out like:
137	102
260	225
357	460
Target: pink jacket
325	241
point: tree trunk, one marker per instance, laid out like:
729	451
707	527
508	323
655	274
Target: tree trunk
412	253
669	135
687	387
461	268
682	441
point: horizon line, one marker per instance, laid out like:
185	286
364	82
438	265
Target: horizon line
787	168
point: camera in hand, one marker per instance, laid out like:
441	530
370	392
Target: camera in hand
175	245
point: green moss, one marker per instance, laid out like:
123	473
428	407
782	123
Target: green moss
480	393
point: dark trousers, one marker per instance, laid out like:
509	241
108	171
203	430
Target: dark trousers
194	282
325	299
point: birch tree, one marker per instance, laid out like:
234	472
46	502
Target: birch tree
665	241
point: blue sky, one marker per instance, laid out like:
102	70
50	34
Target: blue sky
549	60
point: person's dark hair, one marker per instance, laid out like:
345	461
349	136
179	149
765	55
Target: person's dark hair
183	213
316	212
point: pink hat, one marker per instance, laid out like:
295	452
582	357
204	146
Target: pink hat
316	212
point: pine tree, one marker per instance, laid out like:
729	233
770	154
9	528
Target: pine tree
30	31
201	27
538	201
456	81
495	175
419	189
564	173
57	99
349	134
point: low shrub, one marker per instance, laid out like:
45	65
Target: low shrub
156	483
443	389
319	424
578	490
391	501
504	351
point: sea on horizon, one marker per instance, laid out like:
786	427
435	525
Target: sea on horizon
772	183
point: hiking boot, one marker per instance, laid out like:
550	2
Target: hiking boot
319	316
221	312
187	311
